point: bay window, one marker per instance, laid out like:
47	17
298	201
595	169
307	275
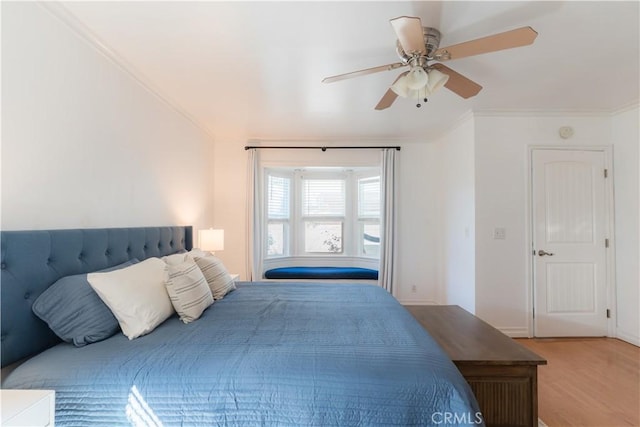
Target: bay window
322	212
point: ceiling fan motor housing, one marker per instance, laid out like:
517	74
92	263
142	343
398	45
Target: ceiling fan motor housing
431	42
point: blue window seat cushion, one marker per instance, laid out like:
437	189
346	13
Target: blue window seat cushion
323	273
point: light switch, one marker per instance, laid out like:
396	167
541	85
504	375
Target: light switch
499	233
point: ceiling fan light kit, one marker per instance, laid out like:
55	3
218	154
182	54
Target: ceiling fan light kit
437	80
417	45
417	78
432	81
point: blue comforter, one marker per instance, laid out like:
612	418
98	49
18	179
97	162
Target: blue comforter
294	354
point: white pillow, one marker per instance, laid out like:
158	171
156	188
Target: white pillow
188	290
219	280
175	259
136	295
198	253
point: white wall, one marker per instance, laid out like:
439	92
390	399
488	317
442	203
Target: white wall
83	143
230	207
626	139
483	162
503	266
456	263
417	222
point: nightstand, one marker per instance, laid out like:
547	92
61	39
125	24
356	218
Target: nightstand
28	407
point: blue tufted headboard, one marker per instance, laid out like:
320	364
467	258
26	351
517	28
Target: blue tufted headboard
31	261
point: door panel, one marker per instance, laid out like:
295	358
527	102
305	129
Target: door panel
569	227
570	288
569	216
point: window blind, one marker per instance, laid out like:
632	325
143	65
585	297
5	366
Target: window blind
278	190
369	197
323	197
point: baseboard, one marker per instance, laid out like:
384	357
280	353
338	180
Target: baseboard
514	331
631	339
406	301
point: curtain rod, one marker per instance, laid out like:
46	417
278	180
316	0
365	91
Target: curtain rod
324	148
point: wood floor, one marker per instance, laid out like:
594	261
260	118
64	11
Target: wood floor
588	382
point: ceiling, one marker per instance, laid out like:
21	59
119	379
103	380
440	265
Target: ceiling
253	70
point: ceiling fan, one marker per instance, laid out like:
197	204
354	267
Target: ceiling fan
417	46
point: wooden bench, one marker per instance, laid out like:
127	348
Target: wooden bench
502	373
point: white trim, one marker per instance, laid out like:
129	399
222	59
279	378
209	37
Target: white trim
542	113
596	112
321	261
628	107
528	267
609	189
63	14
631	339
407	301
609	230
514	331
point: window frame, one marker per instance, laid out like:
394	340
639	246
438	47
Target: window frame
365	219
286	232
300	219
294	244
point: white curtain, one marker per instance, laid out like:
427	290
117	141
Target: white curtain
254	234
388	220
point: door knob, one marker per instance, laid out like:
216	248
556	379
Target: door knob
543	253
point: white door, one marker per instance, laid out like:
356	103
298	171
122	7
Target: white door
569	258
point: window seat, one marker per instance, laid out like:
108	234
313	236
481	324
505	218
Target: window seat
322	273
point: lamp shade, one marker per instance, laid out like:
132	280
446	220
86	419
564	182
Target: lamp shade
403	91
437	79
400	87
417	78
407	86
211	240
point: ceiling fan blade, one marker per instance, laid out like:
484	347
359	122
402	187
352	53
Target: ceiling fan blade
386	101
410	35
390	96
458	83
363	72
507	40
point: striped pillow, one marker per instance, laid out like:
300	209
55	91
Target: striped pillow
188	290
220	282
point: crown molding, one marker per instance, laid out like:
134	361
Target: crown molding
57	10
628	107
556	113
541	113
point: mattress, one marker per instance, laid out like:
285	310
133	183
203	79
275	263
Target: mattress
296	354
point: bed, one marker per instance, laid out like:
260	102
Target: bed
268	353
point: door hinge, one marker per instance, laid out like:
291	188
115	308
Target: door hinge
534	312
608	314
606	173
606	243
